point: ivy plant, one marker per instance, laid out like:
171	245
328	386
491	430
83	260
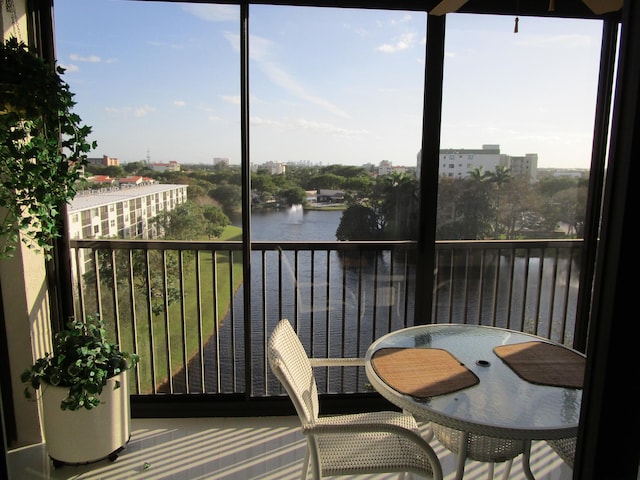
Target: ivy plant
43	148
82	361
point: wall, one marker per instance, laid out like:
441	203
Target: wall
26	310
24	293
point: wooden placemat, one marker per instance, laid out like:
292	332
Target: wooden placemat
544	363
422	372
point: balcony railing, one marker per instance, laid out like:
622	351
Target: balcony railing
180	305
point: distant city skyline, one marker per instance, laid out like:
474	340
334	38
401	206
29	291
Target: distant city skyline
375	164
159	81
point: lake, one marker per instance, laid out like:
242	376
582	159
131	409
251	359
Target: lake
295	225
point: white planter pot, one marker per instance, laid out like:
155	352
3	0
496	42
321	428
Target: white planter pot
86	436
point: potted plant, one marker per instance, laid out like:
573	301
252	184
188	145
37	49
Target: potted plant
43	148
84	392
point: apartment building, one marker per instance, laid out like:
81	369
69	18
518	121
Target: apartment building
104	161
385	167
274	168
122	212
460	162
524	165
171	166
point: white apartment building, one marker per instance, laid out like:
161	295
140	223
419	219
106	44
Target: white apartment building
274	168
171	166
385	167
121	212
459	163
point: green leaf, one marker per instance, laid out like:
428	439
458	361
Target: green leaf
38	175
84	360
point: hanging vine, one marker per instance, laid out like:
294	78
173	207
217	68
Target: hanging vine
43	148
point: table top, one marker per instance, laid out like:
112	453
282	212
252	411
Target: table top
501	403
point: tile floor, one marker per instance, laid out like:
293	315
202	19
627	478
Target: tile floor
262	448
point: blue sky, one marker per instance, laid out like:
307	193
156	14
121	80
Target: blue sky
161	79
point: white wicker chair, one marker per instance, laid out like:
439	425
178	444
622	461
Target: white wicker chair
350	444
565	448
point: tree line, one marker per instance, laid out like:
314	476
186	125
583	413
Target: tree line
484	205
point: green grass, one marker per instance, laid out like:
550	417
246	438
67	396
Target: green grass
231	233
327	208
185	344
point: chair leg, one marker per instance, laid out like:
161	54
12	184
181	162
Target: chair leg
526	461
428	434
507	469
406	476
463	446
305	465
490	470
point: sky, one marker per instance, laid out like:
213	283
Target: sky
160	81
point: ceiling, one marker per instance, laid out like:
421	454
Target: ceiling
597	7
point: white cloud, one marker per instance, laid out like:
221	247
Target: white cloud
259	121
309	126
234	99
282	78
261	52
179	103
90	58
138	112
143	111
173	46
214	13
405	18
404	42
329	128
360	31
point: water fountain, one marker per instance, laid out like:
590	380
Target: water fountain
295	214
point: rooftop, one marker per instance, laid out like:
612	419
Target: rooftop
84	201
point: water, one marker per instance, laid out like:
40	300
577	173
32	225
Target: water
294	224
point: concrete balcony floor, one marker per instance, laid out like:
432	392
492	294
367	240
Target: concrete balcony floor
256	448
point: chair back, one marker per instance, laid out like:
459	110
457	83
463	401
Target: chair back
290	364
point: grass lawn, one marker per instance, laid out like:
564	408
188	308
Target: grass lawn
191	320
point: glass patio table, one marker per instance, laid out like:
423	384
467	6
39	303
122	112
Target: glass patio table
481	380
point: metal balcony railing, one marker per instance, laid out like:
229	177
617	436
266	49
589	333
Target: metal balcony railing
180	304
